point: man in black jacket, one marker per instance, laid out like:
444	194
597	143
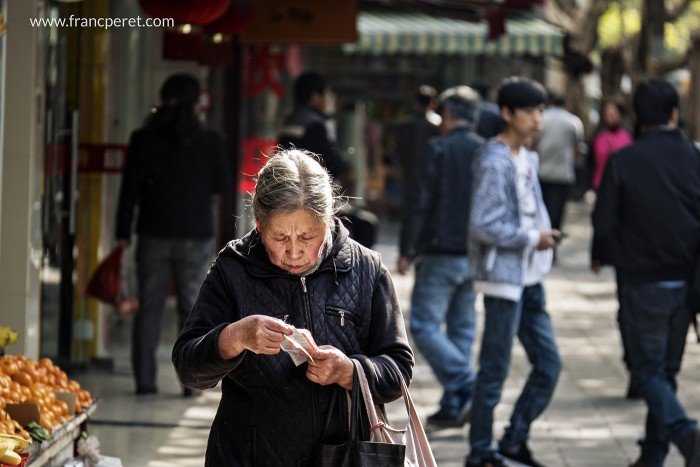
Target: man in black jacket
435	227
649	203
305	128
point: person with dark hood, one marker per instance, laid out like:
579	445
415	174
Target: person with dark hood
174	171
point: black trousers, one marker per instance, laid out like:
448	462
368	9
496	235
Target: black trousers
554	196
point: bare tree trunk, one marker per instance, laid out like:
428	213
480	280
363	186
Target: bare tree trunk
611	71
577	101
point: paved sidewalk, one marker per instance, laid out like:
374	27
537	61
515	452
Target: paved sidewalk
589	423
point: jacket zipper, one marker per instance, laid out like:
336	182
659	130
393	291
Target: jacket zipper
309	324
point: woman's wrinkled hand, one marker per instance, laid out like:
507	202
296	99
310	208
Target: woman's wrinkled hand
330	366
259	334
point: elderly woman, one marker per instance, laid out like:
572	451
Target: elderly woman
296	268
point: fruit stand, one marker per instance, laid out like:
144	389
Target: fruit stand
42	411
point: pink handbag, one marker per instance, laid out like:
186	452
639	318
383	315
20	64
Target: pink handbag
418	452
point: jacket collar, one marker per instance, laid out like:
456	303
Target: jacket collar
251	252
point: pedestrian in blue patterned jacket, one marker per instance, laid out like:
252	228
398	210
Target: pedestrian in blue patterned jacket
510	252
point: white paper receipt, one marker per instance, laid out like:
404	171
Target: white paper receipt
298	344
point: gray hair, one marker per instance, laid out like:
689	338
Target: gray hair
464	103
293	179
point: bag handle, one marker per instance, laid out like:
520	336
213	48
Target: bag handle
370	408
413	418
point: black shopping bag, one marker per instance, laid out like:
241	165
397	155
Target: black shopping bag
361	452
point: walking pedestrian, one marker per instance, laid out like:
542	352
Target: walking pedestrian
175	170
413	136
649	203
558	144
307	128
510	243
434	234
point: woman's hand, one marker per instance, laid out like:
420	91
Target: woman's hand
330	366
258	333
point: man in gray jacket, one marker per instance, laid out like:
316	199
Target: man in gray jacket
510	242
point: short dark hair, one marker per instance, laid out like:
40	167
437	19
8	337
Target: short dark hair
181	89
308	84
519	92
464	103
654	100
426	95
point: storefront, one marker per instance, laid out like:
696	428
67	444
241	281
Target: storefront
77	93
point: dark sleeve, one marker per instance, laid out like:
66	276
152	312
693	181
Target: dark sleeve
316	140
222	174
387	339
421	199
196	356
605	213
128	194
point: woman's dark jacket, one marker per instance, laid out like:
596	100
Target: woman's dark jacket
270	414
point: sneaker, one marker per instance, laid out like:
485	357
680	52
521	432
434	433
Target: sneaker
522	456
444	418
639	463
692	449
146	390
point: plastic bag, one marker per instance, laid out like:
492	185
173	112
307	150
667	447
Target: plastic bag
110	285
105	283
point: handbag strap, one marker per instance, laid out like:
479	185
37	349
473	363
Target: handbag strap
413	418
370	408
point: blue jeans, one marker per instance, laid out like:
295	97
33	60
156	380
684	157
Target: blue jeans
443	294
505	318
657	320
158	262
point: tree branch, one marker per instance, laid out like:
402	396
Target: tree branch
587	25
671	64
558	17
566	7
674	12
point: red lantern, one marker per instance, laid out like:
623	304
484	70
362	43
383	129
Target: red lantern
186	11
238	17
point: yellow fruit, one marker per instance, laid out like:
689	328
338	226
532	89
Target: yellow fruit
11	458
20	441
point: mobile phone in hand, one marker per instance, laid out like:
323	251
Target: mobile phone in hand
559	237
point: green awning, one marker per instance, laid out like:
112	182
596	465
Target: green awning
416	33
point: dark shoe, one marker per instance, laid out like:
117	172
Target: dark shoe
444	418
692	449
633	391
639	463
145	390
189	392
494	461
522	456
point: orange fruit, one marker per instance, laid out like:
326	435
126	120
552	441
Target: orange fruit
23	378
8	366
